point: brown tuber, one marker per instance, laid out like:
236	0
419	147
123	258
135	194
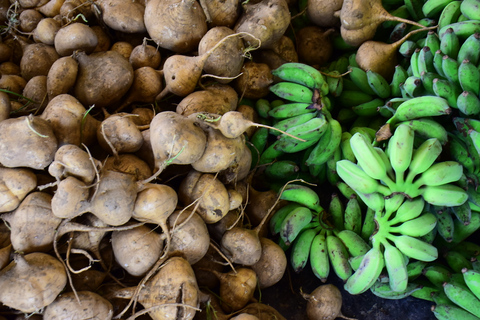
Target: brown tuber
324	303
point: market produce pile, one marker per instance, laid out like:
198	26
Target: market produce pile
170	159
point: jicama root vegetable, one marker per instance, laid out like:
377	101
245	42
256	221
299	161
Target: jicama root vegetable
255	80
176	25
35	93
124	16
272	264
265	20
189	236
145	55
85	305
239	169
33	224
62	76
75	37
71	160
119	134
44	273
212	195
217	98
70	121
172	293
5	106
37	59
46	30
262	311
320	12
221	12
325	302
15	184
128	163
236	288
137	250
313	45
103	78
27	141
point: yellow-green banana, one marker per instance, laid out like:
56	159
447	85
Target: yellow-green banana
354	243
353	215
408	210
358	179
336	211
472	280
275	222
400	151
427	128
470	9
438	174
448	90
384	290
449	14
338	256
300	249
367	273
419	107
378	84
445	224
423	158
462	297
415	248
416	227
452	312
444	195
291	122
367	157
359	78
319	260
457	261
302	194
302	74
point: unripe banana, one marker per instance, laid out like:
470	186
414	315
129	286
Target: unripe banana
328	143
456	261
419	107
367	157
423	157
354	243
433	8
468	103
444	195
358	179
437	62
415	269
335	83
319	260
439	174
282	169
462	297
408	210
427	81
378	84
400	150
384	290
292	92
289	110
294	223
353	215
310	131
461	231
470	9
302	74
463	213
270	154
462	29
425	60
336	209
449	43
338	256
413	87
450	68
432	41
472	280
447	90
469	77
367	273
470	49
359	77
374	200
449	14
346	148
302	194
451	312
396	268
415	248
459	152
407	48
301	249
399	76
275	222
416	227
368	226
350	98
369	108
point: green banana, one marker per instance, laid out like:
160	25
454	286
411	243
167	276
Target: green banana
408	210
457	261
445	224
336	209
463	213
292	92
461	231
368	226
398	32
448	90
384	290
359	78
425	293
353	215
462	297
468	103
415	269
319	260
437	274
345	189
407	48
415	9
285	124
335	83
282	169
300	251
262	106
275	222
432	41
310	131
294	223
332	175
413	87
438	174
423	157
400	151
469	249
416	227
433	8
427	82
328	143
464	132
349	99
346	148
472	280
450	68
470	49
378	84
450	43
354	243
302	74
459	152
437	62
289	110
369	108
414	63
338	256
425	60
415	248
367	157
396	268
462	29
419	107
444	195
373	200
451	312
270	154
399	76
469	77
449	14
470	9
358	179
367	273
302	194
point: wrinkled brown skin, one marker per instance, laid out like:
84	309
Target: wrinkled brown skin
314	46
28	20
92	306
255	80
221	12
176	25
46	275
241	245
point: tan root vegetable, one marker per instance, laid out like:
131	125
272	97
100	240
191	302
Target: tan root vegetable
359	20
202	268
172	293
250	114
189	236
124	48
73	37
70	121
244	316
119	134
227	61
72	8
217	98
282	51
314	46
137	250
5	106
104	41
221	12
320	12
272	264
239	169
236	288
44	273
71	160
36	90
176	25
27	141
124	16
143	116
62	76
33	224
28	20
263	311
51	8
255	80
145	55
217	229
46	30
37	59
9	67
212	195
71	198
266	20
128	163
89	305
15	184
103	78
325	302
